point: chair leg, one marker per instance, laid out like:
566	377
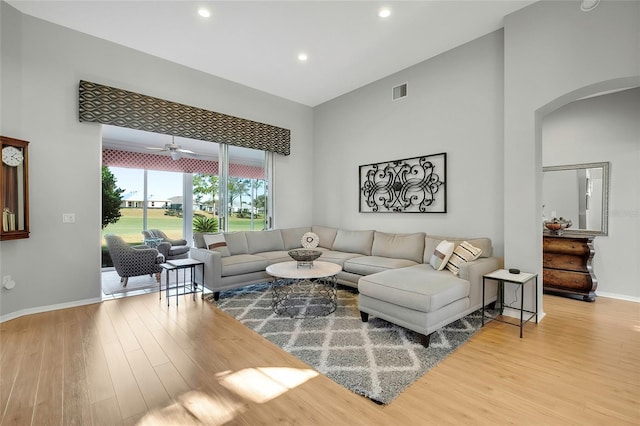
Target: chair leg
124	281
364	316
158	277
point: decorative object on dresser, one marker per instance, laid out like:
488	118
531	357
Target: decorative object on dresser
567	268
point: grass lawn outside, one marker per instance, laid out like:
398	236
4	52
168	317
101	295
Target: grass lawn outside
129	227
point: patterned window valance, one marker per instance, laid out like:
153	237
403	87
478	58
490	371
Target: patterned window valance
117	107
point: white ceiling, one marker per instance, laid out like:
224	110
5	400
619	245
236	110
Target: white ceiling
256	43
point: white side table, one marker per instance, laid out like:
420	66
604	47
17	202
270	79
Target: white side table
504	276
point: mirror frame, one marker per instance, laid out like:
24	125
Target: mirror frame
604	229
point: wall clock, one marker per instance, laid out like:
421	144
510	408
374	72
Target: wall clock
14	189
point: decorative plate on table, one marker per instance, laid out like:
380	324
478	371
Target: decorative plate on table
310	240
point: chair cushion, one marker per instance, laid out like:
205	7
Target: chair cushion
417	287
326	236
178	250
292	237
236	242
399	246
261	241
336	256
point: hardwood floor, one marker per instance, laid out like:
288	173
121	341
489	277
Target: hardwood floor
135	361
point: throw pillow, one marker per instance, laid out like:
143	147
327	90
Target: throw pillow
441	255
465	252
216	242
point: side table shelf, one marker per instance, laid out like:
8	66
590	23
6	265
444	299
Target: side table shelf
504	276
187	287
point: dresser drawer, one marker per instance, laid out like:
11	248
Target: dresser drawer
565	246
564	261
567	279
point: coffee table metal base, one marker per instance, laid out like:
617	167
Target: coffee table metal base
304	298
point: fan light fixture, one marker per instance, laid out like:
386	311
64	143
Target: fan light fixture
175	155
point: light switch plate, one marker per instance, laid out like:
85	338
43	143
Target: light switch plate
68	217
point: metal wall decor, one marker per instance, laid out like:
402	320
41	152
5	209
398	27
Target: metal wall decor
117	107
412	185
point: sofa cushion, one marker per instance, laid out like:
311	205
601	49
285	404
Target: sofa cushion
441	255
408	287
236	242
326	236
275	256
431	241
259	241
242	264
399	246
464	252
216	242
338	257
353	241
292	237
366	265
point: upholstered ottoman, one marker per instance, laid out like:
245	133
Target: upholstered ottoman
417	297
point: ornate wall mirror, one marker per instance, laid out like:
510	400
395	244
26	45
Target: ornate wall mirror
580	193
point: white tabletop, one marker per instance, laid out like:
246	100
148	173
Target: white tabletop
505	275
291	270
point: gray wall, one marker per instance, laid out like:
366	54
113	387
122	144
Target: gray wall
454	105
554	54
605	128
42	63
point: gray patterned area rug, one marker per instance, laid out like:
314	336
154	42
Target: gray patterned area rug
375	359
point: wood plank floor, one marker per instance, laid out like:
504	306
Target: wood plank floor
135	361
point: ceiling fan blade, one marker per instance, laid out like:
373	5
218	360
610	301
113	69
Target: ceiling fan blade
185	151
154	148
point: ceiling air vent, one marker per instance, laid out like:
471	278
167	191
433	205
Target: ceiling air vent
400	92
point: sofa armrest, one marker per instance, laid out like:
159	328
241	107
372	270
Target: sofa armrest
212	266
473	272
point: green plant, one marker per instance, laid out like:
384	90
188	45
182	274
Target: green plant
205	224
111	198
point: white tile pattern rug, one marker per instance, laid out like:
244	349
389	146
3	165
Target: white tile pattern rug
376	359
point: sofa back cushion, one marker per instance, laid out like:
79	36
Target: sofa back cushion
236	242
261	241
432	241
353	241
292	237
399	246
326	236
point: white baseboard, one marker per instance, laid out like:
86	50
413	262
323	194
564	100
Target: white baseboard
48	308
515	313
618	296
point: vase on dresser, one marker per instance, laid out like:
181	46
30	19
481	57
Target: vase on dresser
567	266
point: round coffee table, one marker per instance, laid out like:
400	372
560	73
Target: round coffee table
305	291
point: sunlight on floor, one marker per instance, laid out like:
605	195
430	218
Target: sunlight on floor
195	408
263	384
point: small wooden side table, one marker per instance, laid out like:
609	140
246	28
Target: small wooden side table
187	288
504	276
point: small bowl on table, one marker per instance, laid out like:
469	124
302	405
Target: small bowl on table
556	226
304	257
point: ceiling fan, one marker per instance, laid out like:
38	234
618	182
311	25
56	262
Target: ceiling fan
174	150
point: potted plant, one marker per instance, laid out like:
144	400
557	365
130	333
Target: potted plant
205	224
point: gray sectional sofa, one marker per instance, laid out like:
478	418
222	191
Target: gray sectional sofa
390	270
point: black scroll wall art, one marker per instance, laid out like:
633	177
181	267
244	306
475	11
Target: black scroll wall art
413	185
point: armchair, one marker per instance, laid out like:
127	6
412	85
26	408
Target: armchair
170	248
132	261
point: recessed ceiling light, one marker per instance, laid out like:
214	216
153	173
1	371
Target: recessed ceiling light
385	12
302	57
204	12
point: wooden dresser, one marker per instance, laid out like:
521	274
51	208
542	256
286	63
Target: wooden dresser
566	262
